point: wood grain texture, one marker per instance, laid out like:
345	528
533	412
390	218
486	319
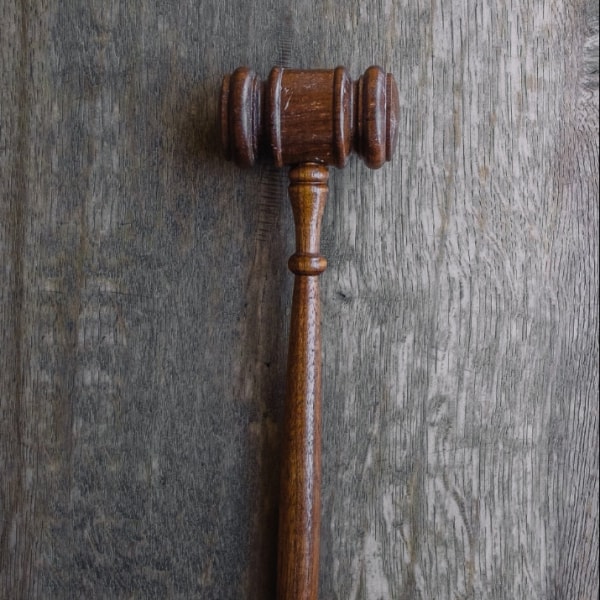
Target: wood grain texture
145	298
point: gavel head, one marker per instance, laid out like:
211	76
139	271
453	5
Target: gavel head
299	116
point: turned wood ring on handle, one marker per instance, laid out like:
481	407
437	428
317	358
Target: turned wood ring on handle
309	120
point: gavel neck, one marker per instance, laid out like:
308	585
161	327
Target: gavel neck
308	195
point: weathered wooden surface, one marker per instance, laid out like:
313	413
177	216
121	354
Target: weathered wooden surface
145	303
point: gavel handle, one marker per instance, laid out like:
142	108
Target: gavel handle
300	484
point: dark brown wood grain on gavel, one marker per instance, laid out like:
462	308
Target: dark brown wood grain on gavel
308	119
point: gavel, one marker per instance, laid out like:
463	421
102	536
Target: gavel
308	120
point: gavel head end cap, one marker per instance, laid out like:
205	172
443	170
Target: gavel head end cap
377	119
240	116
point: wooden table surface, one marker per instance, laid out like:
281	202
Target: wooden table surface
145	305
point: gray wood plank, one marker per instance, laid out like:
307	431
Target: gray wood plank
145	303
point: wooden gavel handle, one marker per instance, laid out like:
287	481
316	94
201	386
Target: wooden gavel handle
300	486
